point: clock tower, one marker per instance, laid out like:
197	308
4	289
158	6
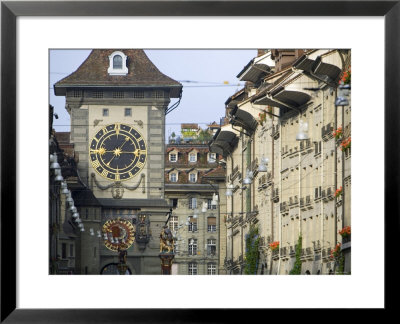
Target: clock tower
117	100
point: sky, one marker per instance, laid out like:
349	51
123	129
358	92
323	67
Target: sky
208	78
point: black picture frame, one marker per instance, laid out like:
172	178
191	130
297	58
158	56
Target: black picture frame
10	10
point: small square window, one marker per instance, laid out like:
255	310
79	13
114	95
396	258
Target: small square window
138	94
105	112
128	112
77	93
158	94
118	94
97	94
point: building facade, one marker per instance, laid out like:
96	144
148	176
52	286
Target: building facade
287	150
192	182
117	100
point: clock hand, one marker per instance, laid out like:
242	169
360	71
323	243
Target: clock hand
126	140
135	152
108	163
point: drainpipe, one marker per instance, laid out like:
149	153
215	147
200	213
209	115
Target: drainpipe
322	180
230	271
343	159
335	171
272	187
280	196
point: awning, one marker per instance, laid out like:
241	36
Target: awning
242	118
224	141
257	68
322	66
293	98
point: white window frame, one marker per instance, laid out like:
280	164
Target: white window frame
171	175
192	246
111	70
212	228
192	203
210	205
192	227
192	268
211	269
173	154
211	243
173	223
212	157
193	175
194	155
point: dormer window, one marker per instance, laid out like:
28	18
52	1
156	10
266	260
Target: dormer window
193	157
117	64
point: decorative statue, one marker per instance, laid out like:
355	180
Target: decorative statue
122	255
166	240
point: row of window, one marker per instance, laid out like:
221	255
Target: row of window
98	94
127	112
211	247
193	203
173	177
212	157
192	227
211	268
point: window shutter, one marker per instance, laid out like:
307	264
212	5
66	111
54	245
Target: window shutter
211	221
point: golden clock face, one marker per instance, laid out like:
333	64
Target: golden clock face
118	152
118	234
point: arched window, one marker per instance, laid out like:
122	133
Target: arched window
117	62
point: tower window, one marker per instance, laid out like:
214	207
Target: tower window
117	62
128	111
97	94
138	94
105	112
77	93
118	94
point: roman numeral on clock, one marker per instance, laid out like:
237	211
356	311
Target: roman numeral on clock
96	164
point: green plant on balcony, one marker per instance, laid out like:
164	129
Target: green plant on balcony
297	264
345	232
337	255
269	109
262	116
338	132
346	77
274	245
338	192
346	144
252	254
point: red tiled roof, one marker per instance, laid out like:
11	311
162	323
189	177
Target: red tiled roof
93	72
191	126
218	172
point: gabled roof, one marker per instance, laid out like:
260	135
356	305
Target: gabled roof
218	172
142	73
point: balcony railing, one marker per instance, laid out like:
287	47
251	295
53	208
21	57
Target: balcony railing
326	131
275	195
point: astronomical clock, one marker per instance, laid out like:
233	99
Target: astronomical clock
117	100
118	152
